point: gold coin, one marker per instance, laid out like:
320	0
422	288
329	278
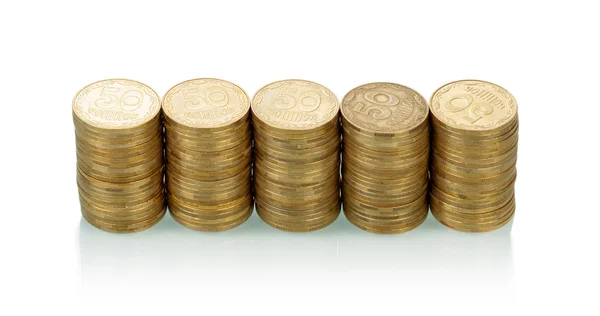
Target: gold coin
299	207
385	229
295	105
212	211
392	210
306	226
116	104
213	227
473	105
470	205
477	227
205	103
384	109
473	218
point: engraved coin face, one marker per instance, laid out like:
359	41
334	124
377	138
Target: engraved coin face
295	104
116	104
473	105
384	107
205	103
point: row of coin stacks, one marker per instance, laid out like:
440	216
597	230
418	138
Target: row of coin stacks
224	156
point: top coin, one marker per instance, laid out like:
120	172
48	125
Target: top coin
384	107
205	103
473	105
295	105
116	104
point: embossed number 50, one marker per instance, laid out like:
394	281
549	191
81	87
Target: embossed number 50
474	111
309	100
380	103
128	101
195	101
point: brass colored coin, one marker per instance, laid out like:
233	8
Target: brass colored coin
459	187
494	215
290	190
330	162
364	169
122	208
116	104
441	133
388	156
477	227
205	207
124	218
322	208
473	105
331	127
385	229
148	148
137	138
302	227
205	103
123	228
295	105
304	155
387	144
437	162
379	211
208	146
295	145
242	212
470	204
384	108
393	220
214	228
209	213
299	207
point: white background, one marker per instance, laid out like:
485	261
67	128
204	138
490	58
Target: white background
545	53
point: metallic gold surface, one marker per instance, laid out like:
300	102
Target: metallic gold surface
474	153
385	157
296	156
119	155
208	153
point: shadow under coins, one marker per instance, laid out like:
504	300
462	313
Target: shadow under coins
169	252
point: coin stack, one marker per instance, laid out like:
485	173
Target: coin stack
119	155
209	154
473	165
385	156
297	142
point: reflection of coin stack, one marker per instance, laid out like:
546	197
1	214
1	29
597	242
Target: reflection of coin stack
209	153
119	155
296	173
473	167
385	155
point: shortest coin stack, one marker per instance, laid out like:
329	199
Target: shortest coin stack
209	154
119	155
297	143
473	165
385	156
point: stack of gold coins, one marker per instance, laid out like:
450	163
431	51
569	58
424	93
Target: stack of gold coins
119	155
297	142
209	154
385	157
473	165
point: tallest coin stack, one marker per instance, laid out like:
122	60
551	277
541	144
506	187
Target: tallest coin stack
473	163
119	155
